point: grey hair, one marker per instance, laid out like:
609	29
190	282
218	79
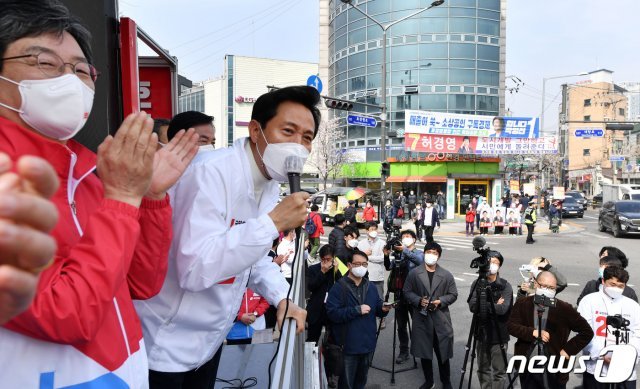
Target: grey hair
30	18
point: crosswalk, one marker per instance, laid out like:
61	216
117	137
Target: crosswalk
595	235
447	242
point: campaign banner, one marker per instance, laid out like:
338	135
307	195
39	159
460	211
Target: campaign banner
442	123
429	143
514	186
558	192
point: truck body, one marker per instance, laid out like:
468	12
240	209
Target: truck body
616	192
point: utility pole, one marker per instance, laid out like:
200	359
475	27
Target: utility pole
564	127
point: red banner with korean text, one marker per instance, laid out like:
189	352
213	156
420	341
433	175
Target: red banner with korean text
429	143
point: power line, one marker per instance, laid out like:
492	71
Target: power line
243	20
237	40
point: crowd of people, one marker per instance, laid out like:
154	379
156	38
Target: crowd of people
136	276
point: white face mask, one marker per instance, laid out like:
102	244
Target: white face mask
493	268
430	259
57	108
353	243
205	148
407	241
373	234
546	292
275	155
359	271
613	292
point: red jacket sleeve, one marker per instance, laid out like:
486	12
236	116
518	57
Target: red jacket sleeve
75	293
262	307
150	258
319	225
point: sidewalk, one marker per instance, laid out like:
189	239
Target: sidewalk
456	227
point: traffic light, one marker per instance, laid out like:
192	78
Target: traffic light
385	169
338	104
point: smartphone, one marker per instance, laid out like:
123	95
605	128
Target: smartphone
389	303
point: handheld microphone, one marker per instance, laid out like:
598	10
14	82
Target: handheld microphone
478	242
293	165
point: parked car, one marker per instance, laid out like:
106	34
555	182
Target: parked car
570	207
621	217
596	201
578	196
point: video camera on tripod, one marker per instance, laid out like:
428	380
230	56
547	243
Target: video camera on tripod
483	261
618	322
393	234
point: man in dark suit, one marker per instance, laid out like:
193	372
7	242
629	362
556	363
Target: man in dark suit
430	220
557	324
430	289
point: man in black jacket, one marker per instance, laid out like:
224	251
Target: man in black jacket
494	335
319	279
593	286
336	237
350	213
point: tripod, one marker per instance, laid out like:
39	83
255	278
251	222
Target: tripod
620	332
539	346
479	324
399	299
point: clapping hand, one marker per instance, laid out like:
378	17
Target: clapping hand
171	161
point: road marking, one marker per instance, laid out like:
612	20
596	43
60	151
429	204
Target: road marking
595	235
570	284
458	279
470	274
590	217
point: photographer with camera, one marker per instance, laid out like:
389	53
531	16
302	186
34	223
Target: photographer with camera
543	318
535	266
406	257
430	289
491	363
608	310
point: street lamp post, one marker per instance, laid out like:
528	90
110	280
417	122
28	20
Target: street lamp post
383	115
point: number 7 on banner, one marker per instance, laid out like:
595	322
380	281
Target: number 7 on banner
415	138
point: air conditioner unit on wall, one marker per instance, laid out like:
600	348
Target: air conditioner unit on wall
410	89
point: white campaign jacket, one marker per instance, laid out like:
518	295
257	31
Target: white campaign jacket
220	245
595	308
376	259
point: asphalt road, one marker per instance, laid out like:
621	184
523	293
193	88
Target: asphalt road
573	252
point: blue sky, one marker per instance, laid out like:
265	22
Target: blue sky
545	38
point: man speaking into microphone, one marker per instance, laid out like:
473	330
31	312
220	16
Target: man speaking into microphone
226	216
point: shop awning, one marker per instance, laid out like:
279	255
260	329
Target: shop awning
418	179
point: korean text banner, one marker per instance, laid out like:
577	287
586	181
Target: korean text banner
440	123
428	143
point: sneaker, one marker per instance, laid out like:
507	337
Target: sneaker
383	324
402	358
426	385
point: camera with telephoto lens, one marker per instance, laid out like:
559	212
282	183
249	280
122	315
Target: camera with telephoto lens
617	321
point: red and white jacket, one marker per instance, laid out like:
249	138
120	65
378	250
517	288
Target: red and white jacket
82	328
252	303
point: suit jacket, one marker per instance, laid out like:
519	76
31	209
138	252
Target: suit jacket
444	289
435	219
561	321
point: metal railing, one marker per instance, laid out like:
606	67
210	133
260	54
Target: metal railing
297	363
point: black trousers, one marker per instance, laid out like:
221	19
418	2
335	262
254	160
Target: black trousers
419	228
428	232
203	377
536	381
402	312
443	366
530	233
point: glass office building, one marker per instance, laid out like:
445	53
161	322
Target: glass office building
449	59
445	59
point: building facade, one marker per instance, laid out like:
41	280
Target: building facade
633	98
230	97
450	58
595	160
